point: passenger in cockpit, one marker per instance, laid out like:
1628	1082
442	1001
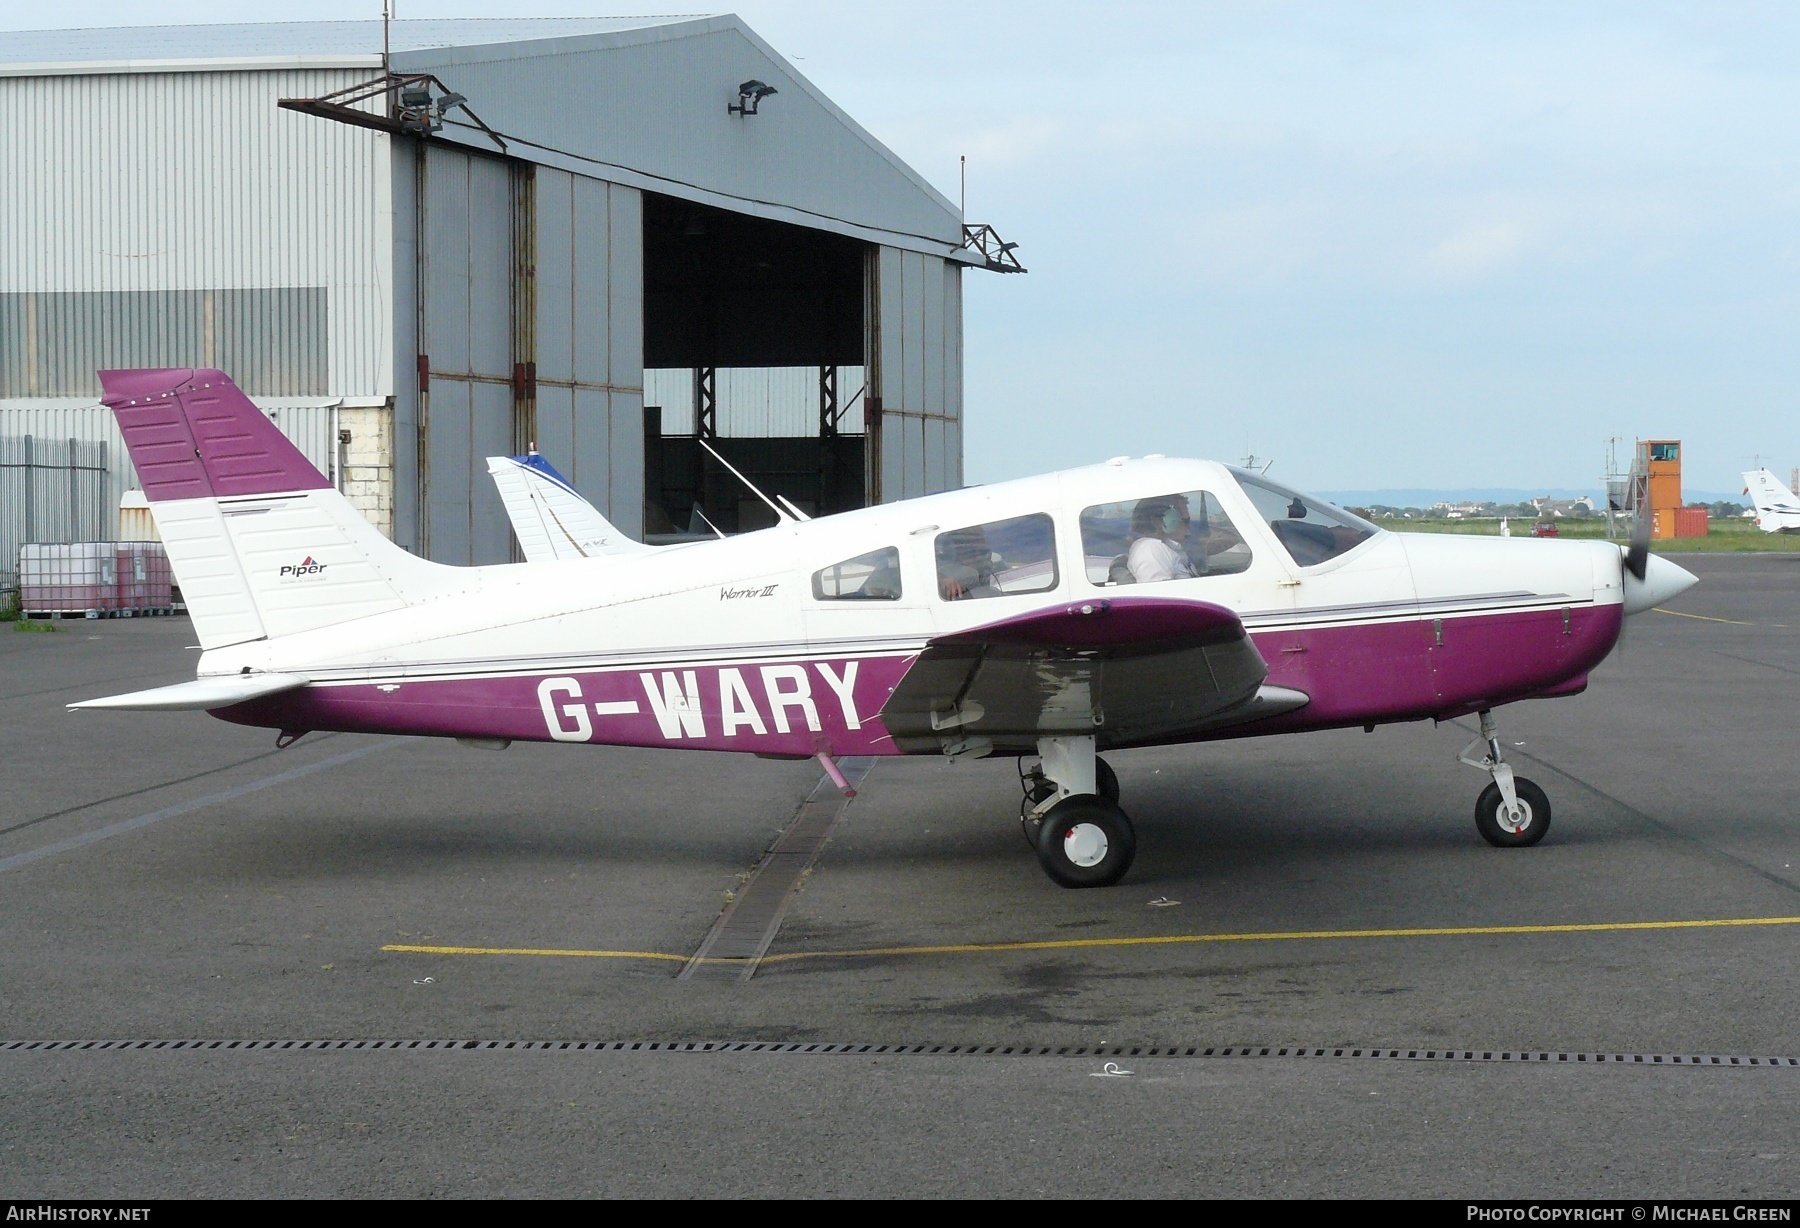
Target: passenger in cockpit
1159	526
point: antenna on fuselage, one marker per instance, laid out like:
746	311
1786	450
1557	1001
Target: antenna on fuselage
781	513
789	505
699	515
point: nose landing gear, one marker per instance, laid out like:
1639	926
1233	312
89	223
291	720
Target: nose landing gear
1071	815
1511	812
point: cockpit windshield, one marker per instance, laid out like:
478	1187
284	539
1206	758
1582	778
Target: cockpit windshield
1311	530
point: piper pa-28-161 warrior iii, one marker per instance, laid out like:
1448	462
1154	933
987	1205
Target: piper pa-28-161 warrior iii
1777	511
1132	603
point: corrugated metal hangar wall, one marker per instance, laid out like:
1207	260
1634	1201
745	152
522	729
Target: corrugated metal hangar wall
793	288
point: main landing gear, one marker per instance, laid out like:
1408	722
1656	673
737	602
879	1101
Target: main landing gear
1071	816
1511	812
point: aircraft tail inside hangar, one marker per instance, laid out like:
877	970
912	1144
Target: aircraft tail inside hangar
614	238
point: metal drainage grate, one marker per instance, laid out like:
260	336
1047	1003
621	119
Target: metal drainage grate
803	1047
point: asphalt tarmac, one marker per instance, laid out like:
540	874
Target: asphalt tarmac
168	876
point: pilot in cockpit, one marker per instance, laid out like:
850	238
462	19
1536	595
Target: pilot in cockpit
1159	527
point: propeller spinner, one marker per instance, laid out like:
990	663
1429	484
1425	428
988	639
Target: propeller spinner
1651	580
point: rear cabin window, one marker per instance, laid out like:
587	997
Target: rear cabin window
1311	530
874	576
997	559
1163	537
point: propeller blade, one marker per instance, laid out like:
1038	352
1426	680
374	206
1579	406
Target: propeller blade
1637	557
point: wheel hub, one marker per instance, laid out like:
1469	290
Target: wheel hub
1085	844
1516	822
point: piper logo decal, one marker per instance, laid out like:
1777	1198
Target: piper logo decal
307	570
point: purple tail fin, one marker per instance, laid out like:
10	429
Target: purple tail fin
192	433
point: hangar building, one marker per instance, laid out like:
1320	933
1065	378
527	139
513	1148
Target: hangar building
616	238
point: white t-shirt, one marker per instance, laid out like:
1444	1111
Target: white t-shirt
1152	558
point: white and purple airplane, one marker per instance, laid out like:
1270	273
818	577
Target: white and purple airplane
1132	603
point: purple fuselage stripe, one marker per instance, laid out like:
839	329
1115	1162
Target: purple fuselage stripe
1372	673
772	708
1412	670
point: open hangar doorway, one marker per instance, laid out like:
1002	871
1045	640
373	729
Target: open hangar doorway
755	339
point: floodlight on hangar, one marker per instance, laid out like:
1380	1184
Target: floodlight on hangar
750	96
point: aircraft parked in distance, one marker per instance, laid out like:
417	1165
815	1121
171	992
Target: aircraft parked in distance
1132	603
549	519
1777	510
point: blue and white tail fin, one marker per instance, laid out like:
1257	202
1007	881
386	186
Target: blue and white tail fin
549	518
1777	510
259	541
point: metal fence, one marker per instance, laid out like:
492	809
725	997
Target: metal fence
51	490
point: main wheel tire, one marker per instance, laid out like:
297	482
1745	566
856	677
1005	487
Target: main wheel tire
1106	781
1086	841
1499	832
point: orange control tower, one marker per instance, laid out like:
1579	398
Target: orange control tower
1656	484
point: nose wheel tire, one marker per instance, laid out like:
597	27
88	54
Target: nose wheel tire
1505	832
1086	841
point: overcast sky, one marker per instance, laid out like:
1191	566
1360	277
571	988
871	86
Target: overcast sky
1385	244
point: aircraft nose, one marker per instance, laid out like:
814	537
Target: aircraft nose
1662	582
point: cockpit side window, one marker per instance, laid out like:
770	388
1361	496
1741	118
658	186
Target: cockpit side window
997	559
1163	537
874	576
1309	529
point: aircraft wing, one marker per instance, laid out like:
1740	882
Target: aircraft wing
549	518
199	695
1129	670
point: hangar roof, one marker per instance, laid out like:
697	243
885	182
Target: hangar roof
635	100
351	43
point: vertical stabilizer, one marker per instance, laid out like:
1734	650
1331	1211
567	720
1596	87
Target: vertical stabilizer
1777	510
549	518
260	542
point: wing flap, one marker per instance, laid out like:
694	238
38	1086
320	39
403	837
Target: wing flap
200	695
1128	671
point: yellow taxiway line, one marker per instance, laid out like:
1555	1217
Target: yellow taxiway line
1709	619
1070	944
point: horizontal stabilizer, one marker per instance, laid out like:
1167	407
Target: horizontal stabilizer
199	695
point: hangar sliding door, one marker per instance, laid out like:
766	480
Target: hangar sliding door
520	291
465	282
587	338
915	369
